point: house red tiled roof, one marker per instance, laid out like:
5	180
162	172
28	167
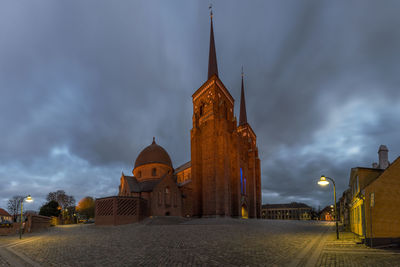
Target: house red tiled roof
4	212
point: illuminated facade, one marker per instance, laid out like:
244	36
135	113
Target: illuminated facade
359	178
223	176
327	213
374	206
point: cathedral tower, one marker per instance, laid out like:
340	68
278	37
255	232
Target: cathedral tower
225	167
213	144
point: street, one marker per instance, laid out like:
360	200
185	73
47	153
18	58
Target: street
198	242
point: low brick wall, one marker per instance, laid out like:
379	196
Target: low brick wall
13	229
120	210
37	222
33	224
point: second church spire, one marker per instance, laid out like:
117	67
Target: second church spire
243	115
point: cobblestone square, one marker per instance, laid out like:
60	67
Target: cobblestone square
199	242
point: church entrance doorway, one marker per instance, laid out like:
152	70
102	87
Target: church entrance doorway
245	214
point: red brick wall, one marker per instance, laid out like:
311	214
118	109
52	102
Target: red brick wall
119	210
171	206
211	149
37	223
187	200
218	151
10	230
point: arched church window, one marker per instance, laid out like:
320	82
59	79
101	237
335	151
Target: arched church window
175	199
154	172
167	196
224	113
139	174
201	110
159	198
245	181
241	181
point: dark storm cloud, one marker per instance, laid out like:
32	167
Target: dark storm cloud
86	85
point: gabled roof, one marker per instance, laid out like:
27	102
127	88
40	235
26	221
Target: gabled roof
355	170
145	186
4	212
394	163
183	167
132	183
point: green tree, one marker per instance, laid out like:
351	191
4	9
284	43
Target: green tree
51	208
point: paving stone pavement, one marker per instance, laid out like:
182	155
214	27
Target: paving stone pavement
348	251
3	262
201	242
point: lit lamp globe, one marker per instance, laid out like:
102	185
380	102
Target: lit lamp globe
29	199
322	181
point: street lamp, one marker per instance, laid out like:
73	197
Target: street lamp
324	181
28	199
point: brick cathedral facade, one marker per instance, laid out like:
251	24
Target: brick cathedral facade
223	177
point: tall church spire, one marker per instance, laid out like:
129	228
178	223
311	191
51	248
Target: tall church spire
243	115
212	59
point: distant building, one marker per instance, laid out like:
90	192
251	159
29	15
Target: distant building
344	209
5	216
375	204
290	211
327	214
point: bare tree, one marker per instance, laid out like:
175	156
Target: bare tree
14	206
62	199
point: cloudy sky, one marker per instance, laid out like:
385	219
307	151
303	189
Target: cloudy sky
85	85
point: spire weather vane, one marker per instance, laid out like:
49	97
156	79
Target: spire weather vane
210	8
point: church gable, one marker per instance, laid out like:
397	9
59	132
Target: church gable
128	186
166	199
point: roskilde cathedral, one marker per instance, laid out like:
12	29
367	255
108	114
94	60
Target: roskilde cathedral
223	176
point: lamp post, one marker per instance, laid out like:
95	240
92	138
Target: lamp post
324	181
28	199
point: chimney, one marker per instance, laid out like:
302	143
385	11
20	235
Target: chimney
383	157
